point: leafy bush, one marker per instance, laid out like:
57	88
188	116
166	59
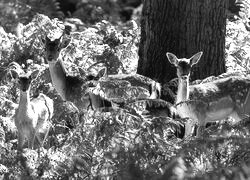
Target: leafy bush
127	142
13	12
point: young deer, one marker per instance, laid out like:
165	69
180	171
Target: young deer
211	101
32	117
70	88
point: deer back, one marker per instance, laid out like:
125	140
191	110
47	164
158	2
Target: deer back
235	87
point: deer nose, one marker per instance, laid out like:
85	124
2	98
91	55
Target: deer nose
50	57
24	88
185	77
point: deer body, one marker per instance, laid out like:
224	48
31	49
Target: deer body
212	101
58	77
71	88
32	117
218	100
150	85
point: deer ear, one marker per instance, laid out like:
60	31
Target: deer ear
15	69
43	40
67	29
14	74
195	58
102	73
82	72
46	40
172	58
65	42
34	74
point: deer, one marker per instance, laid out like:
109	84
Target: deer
33	116
210	101
72	88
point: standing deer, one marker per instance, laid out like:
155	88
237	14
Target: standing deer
71	89
211	101
32	117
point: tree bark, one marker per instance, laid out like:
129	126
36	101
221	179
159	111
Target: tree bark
182	27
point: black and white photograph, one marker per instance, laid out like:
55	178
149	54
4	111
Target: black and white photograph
124	90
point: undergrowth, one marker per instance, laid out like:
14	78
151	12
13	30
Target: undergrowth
119	144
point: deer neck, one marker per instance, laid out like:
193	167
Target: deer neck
58	77
98	102
24	102
183	91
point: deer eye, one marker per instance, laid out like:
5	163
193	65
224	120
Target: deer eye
43	40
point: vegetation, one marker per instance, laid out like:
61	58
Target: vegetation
123	143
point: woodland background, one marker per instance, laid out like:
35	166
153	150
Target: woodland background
116	144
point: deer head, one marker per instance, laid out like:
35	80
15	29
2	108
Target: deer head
53	47
184	65
24	79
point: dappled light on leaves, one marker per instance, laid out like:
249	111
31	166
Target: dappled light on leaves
138	136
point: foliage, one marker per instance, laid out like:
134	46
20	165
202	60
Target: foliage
238	9
93	11
133	141
13	12
237	46
104	44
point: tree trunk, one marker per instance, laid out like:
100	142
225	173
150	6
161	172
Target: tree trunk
182	27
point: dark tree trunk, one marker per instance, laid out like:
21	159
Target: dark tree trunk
182	27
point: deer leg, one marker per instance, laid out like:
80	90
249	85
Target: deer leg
200	129
20	141
37	136
189	126
34	136
31	139
46	135
242	112
236	117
